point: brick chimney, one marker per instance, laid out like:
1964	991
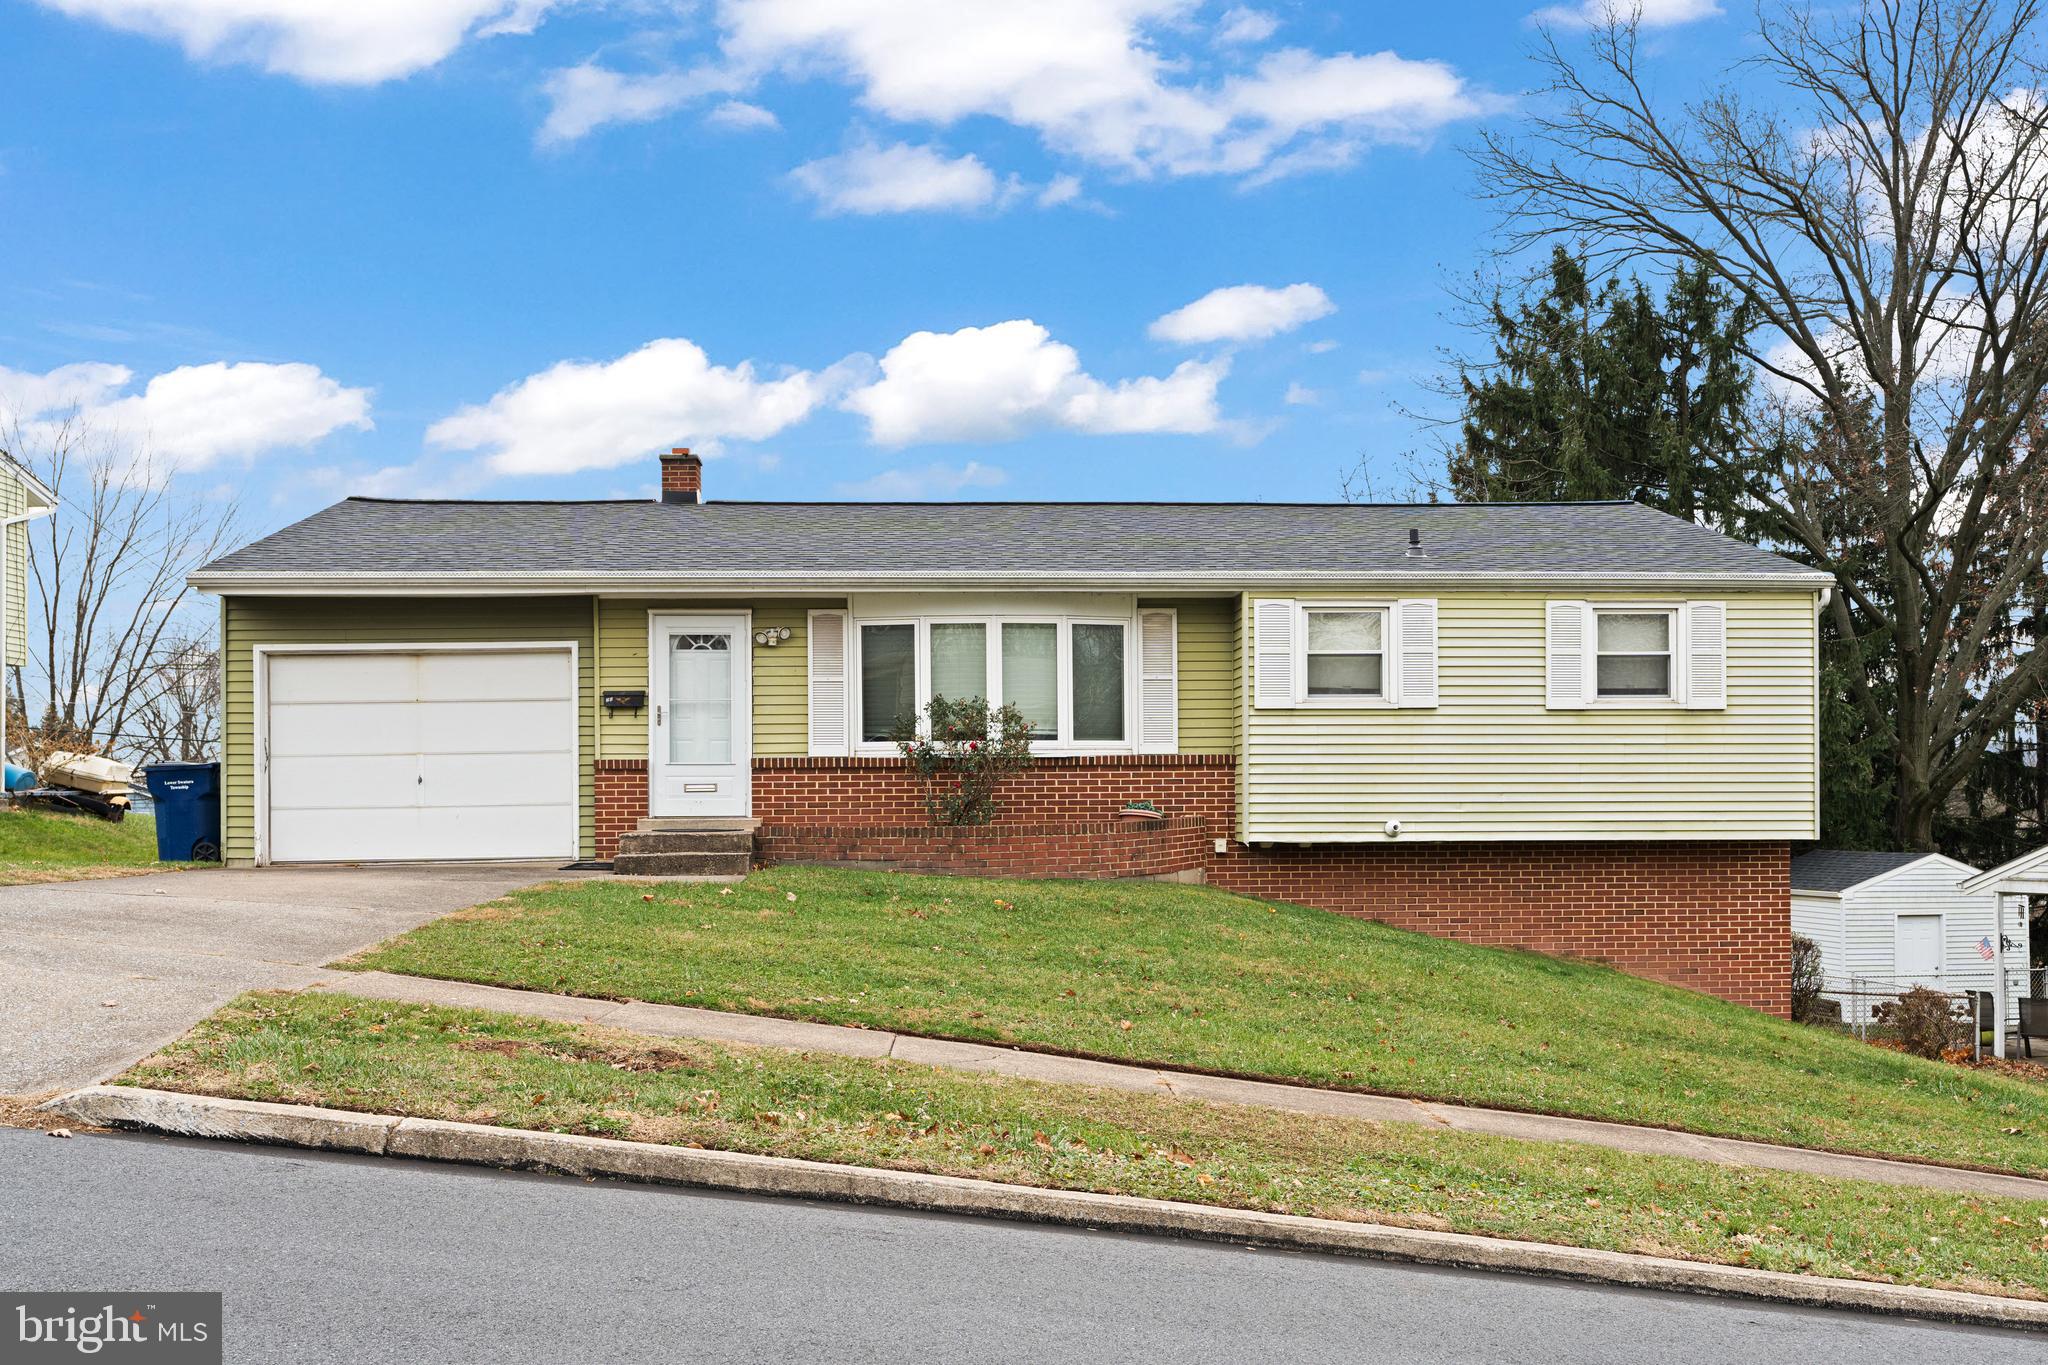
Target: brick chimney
682	476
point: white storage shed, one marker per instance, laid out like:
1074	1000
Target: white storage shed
1887	922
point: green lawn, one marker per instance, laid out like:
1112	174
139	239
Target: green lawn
37	846
485	1067
1188	976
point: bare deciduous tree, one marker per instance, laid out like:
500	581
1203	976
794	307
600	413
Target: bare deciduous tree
1871	184
108	602
178	718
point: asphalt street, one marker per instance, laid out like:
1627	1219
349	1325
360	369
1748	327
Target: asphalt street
330	1258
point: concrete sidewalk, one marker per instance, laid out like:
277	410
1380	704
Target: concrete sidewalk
678	1021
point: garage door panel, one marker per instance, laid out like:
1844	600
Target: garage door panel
343	727
482	727
462	676
487	779
344	677
421	756
497	832
335	781
325	836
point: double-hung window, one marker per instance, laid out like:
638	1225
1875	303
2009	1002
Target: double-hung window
1070	677
1344	654
1633	654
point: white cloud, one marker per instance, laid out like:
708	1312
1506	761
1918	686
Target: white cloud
996	383
1300	395
742	117
584	98
1061	189
1243	312
898	178
1089	78
194	415
1651	13
1322	347
328	42
1244	25
930	481
601	414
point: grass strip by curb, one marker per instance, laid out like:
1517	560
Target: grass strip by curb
571	1154
471	1065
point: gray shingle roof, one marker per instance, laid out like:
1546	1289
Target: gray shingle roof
818	542
1838	869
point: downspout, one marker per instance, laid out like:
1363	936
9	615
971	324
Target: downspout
7	524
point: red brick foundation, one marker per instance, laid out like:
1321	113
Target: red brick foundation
879	791
620	787
1094	849
1713	917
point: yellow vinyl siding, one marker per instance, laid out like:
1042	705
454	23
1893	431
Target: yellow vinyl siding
1207	671
1492	763
13	502
250	621
781	678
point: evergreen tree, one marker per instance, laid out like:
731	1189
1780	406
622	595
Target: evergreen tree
1609	394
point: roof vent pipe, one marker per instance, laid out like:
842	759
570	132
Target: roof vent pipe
1415	550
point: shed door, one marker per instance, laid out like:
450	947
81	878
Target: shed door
1919	947
428	755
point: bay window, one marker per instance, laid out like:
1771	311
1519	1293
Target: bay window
1031	674
1070	676
888	677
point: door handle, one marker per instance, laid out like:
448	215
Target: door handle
657	714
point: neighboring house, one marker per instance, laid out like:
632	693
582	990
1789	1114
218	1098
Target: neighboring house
1887	922
23	498
1581	728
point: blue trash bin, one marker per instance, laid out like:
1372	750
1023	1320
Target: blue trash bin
187	798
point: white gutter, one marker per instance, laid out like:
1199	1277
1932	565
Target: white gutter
811	581
8	524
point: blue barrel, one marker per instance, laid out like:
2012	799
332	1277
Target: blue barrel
187	798
19	779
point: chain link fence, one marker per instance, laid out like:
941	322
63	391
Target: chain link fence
1870	1008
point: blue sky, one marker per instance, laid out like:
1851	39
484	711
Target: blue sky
847	248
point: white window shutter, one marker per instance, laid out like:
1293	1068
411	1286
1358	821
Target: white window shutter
1273	628
1568	654
827	640
1706	656
1415	652
1158	688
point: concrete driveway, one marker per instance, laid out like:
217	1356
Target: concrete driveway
95	974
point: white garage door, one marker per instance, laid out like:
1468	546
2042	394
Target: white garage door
390	756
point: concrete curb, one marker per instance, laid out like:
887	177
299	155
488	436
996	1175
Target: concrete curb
567	1154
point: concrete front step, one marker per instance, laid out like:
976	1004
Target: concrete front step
682	864
666	824
688	841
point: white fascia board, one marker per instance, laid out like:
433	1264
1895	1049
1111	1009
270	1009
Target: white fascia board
2028	866
1961	870
487	584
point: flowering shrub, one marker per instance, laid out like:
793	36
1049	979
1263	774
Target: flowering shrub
961	754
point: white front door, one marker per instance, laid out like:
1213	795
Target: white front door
702	755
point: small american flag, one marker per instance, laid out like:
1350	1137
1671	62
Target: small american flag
1984	948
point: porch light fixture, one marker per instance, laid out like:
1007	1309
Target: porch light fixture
771	636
